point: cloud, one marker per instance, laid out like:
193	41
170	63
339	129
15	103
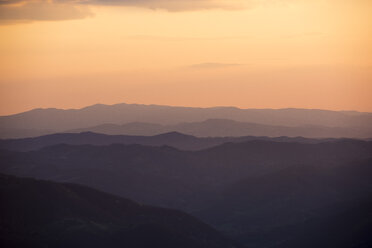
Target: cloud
212	65
144	37
54	10
300	35
14	11
176	5
9	2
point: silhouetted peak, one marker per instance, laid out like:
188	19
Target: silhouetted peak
96	105
173	135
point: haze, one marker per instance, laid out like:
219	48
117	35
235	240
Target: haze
249	54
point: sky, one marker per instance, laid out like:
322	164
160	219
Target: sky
202	53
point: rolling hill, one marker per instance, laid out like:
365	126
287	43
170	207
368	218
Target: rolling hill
268	210
58	120
259	192
175	178
38	213
229	128
173	139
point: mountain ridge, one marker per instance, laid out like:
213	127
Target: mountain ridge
173	176
257	192
174	139
62	120
213	107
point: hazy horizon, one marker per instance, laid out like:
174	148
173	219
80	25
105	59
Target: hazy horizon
180	106
202	53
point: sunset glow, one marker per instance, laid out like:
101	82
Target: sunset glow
249	54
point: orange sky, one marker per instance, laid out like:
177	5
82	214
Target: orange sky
245	53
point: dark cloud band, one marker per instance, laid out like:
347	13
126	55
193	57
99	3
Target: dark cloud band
31	10
23	11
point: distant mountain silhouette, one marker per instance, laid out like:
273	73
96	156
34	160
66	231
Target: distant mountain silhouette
57	120
229	128
22	133
44	214
174	139
132	128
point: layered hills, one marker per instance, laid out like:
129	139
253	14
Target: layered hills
260	192
173	139
264	178
155	119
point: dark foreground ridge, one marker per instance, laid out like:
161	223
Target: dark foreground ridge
37	213
260	193
167	177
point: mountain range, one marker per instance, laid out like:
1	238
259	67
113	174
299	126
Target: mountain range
173	176
137	119
283	178
229	128
257	192
173	139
